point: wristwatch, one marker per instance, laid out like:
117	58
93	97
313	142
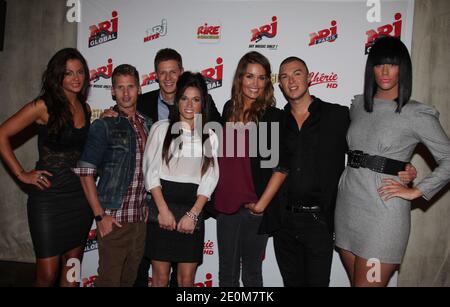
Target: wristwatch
99	217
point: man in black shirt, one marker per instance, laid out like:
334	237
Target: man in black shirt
315	146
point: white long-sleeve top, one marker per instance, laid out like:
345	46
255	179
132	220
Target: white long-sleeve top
185	165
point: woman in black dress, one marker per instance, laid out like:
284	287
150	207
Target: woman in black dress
58	213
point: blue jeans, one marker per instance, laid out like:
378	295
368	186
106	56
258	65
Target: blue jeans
240	244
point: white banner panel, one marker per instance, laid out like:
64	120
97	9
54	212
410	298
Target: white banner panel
212	35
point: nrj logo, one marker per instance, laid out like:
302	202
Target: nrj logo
105	31
208	248
331	79
209	33
394	29
148	79
325	35
268	30
103	72
207	283
91	242
88	282
156	31
213	76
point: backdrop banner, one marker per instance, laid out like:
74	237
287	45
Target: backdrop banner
333	37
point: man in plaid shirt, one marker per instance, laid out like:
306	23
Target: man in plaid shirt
114	151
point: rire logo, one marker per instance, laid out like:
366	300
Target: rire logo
208	248
213	76
207	283
208	32
331	79
105	31
325	35
148	79
156	31
91	242
394	29
104	72
268	30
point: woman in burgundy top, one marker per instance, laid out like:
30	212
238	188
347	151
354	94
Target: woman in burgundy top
252	124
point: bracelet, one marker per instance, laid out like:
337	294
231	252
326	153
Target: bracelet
192	215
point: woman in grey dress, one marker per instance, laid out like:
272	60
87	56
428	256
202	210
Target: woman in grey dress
373	207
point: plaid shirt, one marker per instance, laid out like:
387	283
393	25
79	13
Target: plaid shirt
133	207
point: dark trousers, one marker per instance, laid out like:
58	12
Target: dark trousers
240	244
304	251
144	267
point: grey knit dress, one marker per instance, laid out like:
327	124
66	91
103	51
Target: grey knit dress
365	224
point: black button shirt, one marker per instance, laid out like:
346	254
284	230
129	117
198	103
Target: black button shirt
302	145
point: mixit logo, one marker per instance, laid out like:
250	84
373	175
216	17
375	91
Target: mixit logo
148	79
394	29
156	32
268	30
214	76
325	35
103	72
91	243
209	33
105	31
331	79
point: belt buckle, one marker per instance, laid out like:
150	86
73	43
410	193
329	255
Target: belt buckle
356	158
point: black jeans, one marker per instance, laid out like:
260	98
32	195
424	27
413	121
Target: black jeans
304	251
239	243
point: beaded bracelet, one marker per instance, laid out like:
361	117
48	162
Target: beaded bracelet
192	215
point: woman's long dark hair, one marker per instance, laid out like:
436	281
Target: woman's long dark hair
52	92
196	80
388	50
267	99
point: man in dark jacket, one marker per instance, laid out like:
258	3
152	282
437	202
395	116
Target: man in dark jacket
157	104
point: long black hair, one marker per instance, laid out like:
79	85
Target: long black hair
196	80
52	92
388	50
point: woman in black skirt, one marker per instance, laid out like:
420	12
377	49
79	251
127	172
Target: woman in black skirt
181	172
58	213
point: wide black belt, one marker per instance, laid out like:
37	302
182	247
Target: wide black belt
357	159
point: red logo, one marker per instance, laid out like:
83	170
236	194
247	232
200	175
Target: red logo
325	35
208	32
268	30
394	29
156	31
104	72
148	79
213	76
331	79
207	283
208	248
105	31
91	242
88	282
